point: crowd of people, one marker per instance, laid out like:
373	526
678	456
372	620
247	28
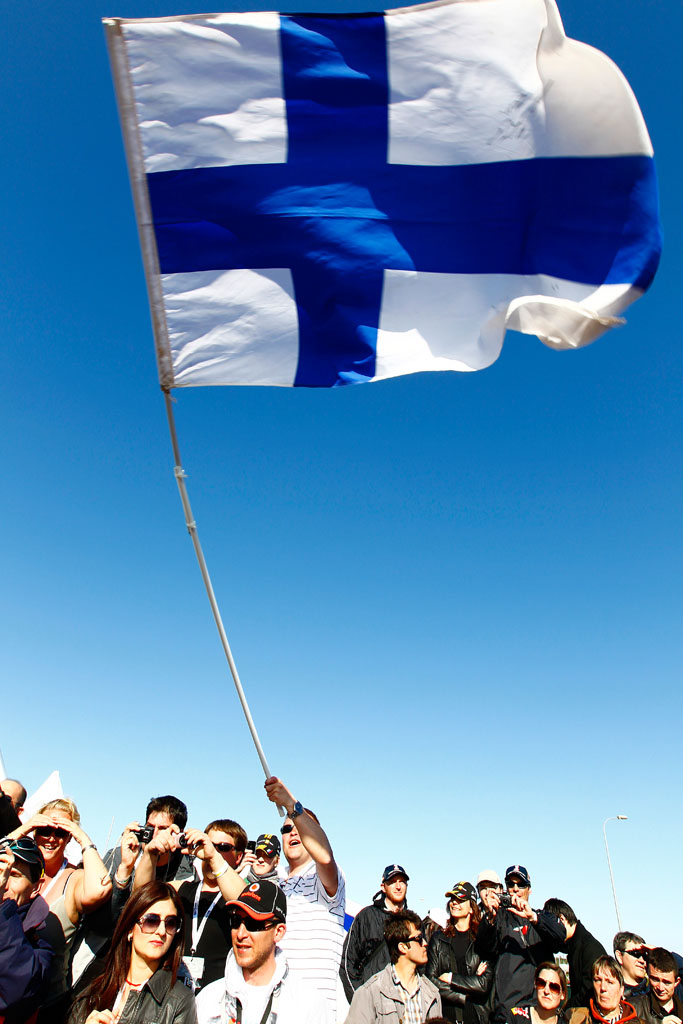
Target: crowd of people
178	925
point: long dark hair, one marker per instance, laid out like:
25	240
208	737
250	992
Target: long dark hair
102	991
474	920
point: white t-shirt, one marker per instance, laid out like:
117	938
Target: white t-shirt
315	930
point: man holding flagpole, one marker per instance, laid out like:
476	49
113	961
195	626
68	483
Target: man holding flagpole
316	895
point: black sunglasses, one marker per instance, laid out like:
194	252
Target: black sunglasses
224	847
50	833
150	923
517	885
638	953
554	986
249	923
421	938
285	829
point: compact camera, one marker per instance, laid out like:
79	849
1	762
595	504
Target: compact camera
144	835
505	900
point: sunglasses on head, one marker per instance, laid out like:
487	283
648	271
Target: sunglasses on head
249	923
224	847
47	832
285	829
150	923
554	986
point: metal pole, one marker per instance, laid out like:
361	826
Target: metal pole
615	817
192	530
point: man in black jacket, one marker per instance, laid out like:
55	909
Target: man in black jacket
365	951
661	1002
517	939
582	950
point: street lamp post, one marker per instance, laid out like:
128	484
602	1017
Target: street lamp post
615	817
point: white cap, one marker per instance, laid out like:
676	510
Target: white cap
488	876
440	915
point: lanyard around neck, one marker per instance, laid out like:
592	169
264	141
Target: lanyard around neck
266	1012
197	925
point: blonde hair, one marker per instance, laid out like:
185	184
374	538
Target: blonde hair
62	803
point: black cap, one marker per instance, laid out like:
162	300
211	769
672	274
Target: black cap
391	870
462	891
262	900
268	844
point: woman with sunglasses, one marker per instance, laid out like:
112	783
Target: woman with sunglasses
219	849
69	891
139	980
550	985
452	963
50	828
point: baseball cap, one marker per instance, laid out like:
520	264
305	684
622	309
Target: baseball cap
391	870
26	850
462	891
268	844
262	900
489	875
520	872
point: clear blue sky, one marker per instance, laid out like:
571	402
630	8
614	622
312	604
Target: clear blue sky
455	600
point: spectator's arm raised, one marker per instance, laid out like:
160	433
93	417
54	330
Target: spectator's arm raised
306	831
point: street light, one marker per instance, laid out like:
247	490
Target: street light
615	817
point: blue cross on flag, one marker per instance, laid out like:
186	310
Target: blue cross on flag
330	199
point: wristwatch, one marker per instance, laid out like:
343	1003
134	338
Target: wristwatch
297	809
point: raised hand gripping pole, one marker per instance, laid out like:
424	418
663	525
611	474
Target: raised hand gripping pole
192	530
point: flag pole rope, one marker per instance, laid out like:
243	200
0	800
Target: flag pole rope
180	476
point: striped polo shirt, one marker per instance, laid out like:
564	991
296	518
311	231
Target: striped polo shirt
315	929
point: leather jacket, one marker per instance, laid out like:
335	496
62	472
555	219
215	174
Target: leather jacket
157	1001
470	987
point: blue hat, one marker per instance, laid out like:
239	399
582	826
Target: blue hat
392	870
520	872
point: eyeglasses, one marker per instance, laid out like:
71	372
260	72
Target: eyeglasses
150	923
286	829
421	938
50	833
516	885
224	847
554	986
250	924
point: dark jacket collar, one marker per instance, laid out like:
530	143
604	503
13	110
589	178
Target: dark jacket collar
159	984
33	913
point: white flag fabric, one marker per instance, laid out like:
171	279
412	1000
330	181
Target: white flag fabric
50	789
330	199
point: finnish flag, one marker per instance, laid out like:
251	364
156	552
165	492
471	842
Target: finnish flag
330	199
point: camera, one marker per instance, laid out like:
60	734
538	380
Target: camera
144	835
181	840
251	846
505	900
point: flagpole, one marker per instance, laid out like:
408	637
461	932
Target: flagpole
180	476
